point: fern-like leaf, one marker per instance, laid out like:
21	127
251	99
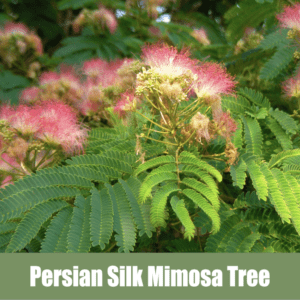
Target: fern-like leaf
79	234
278	62
289	193
253	136
8	227
140	212
281	136
278	158
203	176
255	97
190	159
154	162
238	173
32	222
151	181
276	196
14	205
123	221
183	215
242	241
100	160
258	180
218	242
57	232
205	206
101	218
159	203
275	39
236	105
285	120
204	190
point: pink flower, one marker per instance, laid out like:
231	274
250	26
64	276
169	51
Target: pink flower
6	181
94	67
90	103
290	17
24	119
291	86
126	103
200	123
37	43
78	22
248	31
101	72
59	127
167	60
155	31
111	76
213	81
13	28
7	163
69	77
106	17
226	125
201	36
30	94
48	77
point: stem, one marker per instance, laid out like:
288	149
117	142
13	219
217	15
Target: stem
189	138
213	155
14	168
186	108
42	160
198	237
111	247
152	103
177	167
152	121
167	143
150	129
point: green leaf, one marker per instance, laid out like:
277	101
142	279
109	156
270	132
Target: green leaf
140	212
285	120
32	222
205	206
253	136
159	203
204	190
57	232
279	61
184	217
14	205
154	163
151	181
123	221
101	218
79	234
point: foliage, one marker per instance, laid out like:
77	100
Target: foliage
177	136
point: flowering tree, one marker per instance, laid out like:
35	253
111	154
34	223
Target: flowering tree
154	126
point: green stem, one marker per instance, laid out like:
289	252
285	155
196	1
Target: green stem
189	138
167	143
153	122
111	247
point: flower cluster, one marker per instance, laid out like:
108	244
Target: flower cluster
148	5
19	49
99	20
250	40
290	17
99	85
291	86
201	36
33	137
169	81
